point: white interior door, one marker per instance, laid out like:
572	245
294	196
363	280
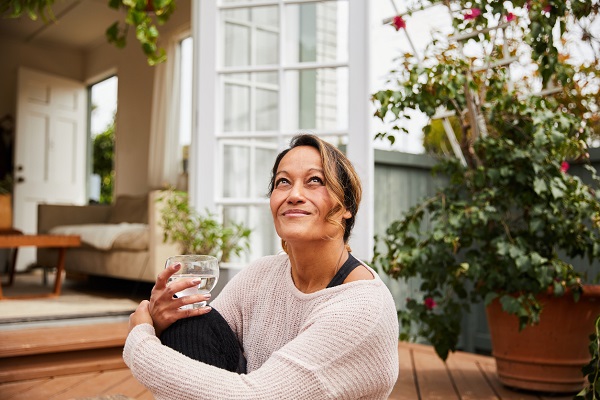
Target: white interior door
50	148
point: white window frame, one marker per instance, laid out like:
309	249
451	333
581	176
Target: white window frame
204	167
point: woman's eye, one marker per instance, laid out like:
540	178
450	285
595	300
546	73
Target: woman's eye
316	179
281	181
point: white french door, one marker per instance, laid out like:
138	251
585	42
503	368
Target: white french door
266	71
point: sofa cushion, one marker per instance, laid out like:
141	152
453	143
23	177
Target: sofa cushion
133	209
137	238
122	236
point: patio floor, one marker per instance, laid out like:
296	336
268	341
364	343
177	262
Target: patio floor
422	376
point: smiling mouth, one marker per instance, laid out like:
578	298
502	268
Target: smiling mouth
292	213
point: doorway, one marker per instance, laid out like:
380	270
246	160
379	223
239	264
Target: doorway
103	111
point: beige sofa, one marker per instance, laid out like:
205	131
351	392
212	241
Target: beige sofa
122	240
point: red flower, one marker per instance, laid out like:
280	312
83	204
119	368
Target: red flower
472	13
510	16
398	22
430	303
564	167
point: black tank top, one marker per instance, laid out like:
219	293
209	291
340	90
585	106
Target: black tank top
344	271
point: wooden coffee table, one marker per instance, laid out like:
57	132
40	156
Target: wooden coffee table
14	240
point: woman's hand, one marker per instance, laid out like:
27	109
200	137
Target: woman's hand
141	315
165	309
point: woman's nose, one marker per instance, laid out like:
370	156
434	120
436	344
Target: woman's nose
296	194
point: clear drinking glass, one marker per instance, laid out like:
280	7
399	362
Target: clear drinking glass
205	268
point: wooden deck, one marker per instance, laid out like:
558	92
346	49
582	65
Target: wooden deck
85	362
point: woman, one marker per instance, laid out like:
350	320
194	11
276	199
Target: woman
314	322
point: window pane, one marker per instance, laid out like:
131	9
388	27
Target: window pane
317	32
236	176
263	239
247	167
251	36
266	49
267	115
265	158
251	102
236	108
320	101
237	51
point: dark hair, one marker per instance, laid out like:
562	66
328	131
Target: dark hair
341	180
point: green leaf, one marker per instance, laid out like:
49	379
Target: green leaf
539	186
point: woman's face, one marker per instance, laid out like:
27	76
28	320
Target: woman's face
300	201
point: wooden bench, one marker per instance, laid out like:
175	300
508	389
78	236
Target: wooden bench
14	240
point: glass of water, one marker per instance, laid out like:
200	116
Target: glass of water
204	268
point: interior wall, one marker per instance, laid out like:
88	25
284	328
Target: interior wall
135	89
66	63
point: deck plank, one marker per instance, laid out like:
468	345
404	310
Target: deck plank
9	390
434	381
52	388
469	379
405	388
129	387
100	383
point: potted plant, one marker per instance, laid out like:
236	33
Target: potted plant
200	233
510	220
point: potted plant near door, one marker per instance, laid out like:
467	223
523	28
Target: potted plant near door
198	233
511	218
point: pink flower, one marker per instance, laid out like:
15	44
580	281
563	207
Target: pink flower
547	8
472	13
564	167
510	17
430	303
398	22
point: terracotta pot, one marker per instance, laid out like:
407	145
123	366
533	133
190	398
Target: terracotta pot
547	357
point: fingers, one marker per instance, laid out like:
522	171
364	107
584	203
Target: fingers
193	312
165	274
193	299
166	309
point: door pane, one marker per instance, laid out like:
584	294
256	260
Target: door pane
316	32
251	102
236	107
248	164
320	99
251	36
236	177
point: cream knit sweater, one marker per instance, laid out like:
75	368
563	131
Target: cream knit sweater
337	343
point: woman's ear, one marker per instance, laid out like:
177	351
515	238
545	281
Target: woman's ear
347	214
